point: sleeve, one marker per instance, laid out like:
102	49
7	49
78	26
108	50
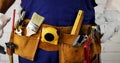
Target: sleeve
5	4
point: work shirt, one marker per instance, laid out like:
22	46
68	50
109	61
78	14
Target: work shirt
60	12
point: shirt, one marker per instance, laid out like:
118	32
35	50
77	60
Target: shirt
60	12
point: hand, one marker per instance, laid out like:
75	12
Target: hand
3	21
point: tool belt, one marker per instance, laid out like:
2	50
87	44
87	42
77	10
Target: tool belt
68	52
26	46
77	54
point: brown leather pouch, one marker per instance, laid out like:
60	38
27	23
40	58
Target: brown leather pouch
75	54
69	53
25	46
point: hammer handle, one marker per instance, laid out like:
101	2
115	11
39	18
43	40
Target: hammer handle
11	58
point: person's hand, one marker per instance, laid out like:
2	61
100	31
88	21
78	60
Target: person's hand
3	21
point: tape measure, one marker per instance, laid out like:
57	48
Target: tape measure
49	35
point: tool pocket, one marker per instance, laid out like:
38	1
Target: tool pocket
68	52
25	46
76	54
20	40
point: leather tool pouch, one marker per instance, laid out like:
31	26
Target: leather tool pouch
25	46
75	54
69	53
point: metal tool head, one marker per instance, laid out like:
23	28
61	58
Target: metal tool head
10	45
80	40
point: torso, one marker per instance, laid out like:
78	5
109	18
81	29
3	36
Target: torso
60	12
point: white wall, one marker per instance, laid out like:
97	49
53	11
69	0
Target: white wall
111	48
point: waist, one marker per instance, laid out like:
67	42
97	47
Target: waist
61	32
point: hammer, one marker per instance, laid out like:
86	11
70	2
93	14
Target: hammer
10	50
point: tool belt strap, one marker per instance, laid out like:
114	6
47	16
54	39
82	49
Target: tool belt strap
60	30
64	36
